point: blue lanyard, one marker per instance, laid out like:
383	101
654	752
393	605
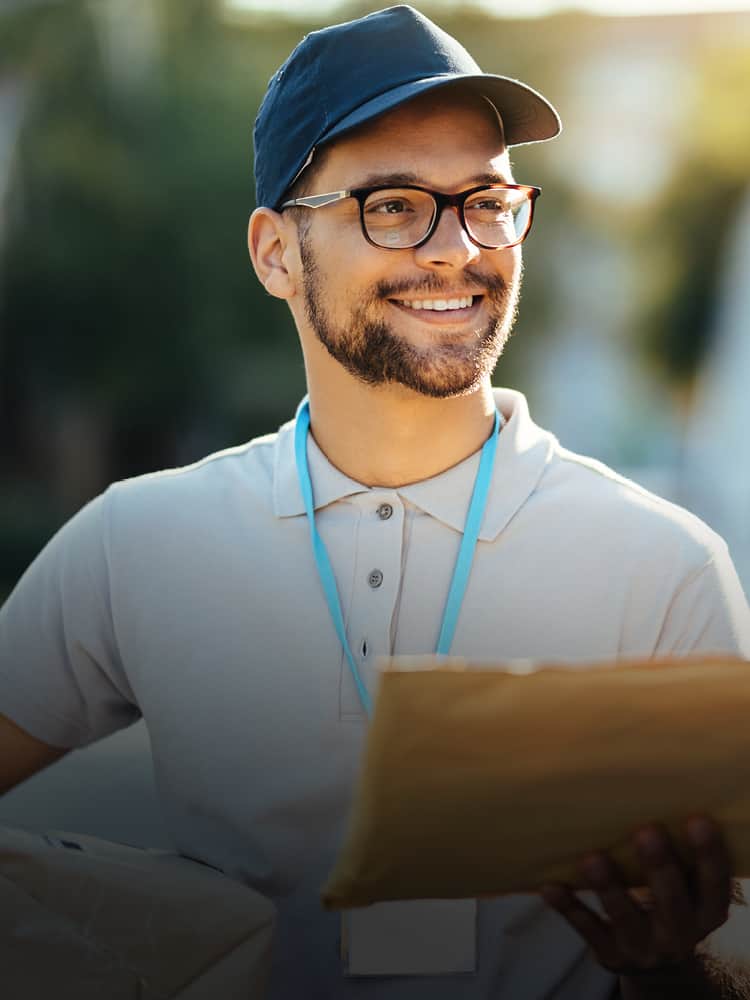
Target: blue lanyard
463	561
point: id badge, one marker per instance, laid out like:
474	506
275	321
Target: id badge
414	937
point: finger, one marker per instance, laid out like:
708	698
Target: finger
713	873
595	931
675	912
630	924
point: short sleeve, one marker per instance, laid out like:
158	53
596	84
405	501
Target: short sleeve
61	677
709	613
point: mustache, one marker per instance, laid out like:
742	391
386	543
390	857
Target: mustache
492	284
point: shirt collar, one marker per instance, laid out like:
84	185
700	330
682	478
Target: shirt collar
329	483
523	452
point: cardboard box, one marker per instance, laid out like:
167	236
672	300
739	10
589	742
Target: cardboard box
86	919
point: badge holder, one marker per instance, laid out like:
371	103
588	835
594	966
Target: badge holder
414	937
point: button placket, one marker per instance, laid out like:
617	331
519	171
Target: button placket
374	594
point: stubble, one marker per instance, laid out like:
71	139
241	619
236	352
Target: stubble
371	350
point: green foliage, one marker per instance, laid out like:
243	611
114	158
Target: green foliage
680	300
126	279
125	286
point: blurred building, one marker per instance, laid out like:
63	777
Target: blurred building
715	476
633	92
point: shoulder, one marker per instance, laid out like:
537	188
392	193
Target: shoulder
595	496
673	574
190	518
217	496
246	470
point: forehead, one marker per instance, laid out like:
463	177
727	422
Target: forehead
441	139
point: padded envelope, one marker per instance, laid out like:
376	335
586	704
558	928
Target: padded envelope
482	780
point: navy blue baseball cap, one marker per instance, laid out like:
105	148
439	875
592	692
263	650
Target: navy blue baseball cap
347	74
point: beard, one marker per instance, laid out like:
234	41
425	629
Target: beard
371	351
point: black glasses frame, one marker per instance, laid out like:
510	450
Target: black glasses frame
440	199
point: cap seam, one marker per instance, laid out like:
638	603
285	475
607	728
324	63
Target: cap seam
323	101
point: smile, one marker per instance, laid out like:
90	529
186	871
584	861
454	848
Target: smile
441	305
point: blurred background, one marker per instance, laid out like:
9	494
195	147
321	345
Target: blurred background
134	336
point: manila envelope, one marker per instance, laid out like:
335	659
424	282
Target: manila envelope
481	780
86	919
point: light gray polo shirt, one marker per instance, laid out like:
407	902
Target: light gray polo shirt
191	597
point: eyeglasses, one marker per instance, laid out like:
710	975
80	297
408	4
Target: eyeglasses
494	217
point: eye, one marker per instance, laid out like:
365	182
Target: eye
498	205
389	206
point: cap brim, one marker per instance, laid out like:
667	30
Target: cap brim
526	115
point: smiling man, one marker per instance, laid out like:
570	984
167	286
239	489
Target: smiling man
438	329
239	605
401	312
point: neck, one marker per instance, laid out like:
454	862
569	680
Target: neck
391	436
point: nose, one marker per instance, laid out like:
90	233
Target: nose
449	245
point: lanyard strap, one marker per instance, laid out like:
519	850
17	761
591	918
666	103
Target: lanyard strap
463	561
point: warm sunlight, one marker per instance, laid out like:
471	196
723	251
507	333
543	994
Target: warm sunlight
516	8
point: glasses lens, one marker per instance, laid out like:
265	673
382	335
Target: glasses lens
398	217
498	217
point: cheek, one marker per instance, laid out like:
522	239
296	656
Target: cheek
336	254
512	266
348	269
506	265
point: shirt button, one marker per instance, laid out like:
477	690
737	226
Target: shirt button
375	578
385	510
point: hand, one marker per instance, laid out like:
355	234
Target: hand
683	906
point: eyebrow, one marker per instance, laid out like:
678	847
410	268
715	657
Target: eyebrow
401	179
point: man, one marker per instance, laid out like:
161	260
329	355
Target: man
245	627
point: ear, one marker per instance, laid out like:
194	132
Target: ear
269	244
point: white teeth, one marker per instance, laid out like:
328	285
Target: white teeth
439	304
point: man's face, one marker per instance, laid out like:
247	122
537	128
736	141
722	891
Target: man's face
358	299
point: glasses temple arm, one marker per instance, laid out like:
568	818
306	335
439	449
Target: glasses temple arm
317	200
